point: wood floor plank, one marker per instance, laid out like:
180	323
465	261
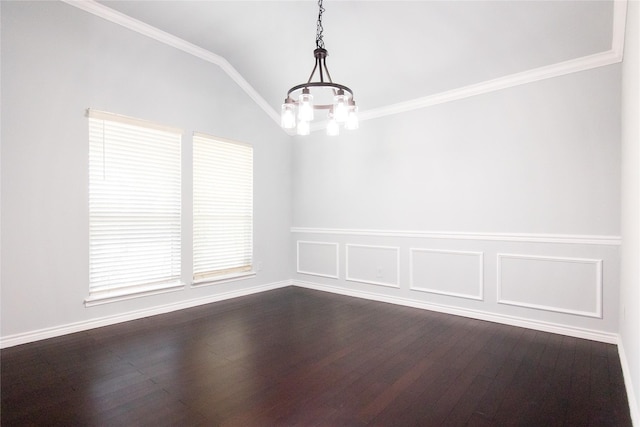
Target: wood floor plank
297	357
497	390
579	410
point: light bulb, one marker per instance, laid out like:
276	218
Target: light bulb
333	129
304	128
352	119
340	110
305	106
288	116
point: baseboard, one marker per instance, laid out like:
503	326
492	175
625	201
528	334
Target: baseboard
628	384
41	334
606	337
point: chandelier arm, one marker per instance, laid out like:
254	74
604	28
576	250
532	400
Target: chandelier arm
321	62
333	86
324	64
315	67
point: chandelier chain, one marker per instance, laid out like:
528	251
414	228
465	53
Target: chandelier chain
319	40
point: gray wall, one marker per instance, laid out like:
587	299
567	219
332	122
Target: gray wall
538	158
515	194
57	61
630	278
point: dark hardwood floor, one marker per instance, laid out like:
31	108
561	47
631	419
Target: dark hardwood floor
296	357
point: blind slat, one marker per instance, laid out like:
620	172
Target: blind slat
134	203
222	207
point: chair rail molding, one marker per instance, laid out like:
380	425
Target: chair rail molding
577	239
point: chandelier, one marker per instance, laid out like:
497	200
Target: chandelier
301	101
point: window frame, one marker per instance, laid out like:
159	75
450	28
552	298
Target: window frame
125	183
201	277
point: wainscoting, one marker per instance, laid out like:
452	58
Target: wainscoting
557	283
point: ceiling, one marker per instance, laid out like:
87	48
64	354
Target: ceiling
387	52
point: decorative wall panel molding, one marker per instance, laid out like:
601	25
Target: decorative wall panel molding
318	259
564	285
452	273
375	265
578	239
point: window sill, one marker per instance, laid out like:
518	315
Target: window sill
106	297
223	279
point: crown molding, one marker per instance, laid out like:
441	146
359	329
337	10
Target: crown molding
619	26
542	73
601	59
170	40
611	56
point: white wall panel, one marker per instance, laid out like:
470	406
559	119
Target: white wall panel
566	285
318	259
454	273
376	265
629	347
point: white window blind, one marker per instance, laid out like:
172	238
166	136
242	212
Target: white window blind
134	205
222	207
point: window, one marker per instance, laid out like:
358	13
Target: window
222	208
134	206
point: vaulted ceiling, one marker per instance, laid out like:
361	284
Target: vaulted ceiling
388	52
